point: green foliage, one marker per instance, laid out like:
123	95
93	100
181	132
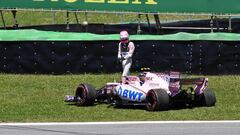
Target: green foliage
40	98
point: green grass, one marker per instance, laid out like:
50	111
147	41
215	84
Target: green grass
39	98
26	18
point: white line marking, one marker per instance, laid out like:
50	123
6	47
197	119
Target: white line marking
116	123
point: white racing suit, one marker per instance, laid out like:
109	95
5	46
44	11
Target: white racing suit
125	52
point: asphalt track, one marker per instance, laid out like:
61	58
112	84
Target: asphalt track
124	128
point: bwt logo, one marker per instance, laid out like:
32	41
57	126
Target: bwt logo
147	2
130	94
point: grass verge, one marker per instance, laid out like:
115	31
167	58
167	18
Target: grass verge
39	98
26	18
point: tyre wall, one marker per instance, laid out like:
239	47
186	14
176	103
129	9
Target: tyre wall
192	57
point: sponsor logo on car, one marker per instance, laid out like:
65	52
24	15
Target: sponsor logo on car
130	94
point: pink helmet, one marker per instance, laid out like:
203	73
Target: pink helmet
124	36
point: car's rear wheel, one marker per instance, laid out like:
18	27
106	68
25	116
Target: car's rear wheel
209	98
85	95
157	99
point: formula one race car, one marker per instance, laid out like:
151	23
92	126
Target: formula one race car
156	91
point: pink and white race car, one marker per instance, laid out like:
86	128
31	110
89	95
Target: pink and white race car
156	91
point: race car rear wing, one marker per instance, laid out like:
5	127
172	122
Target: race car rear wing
189	81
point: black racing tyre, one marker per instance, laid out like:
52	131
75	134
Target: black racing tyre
85	95
157	100
209	98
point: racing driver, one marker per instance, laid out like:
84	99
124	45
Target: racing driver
125	52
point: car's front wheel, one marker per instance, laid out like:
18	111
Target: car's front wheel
85	95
